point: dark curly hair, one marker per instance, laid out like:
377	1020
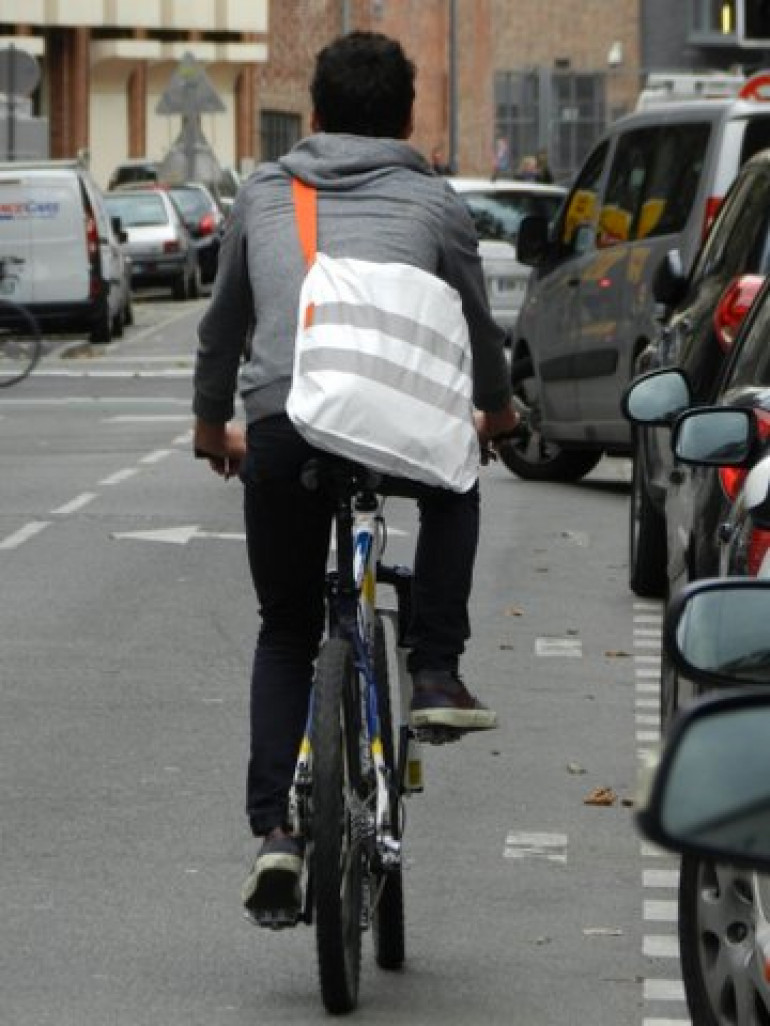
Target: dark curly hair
364	85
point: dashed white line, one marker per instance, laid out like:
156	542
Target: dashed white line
660	911
13	541
662	878
119	476
74	504
663	990
157	456
663	946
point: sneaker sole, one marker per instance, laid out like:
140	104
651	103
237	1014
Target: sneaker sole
272	890
459	719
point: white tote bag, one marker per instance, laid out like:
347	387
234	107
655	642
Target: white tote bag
382	365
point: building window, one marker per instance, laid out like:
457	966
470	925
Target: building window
278	132
743	23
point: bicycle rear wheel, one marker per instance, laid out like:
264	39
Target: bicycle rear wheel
20	343
338	838
388	928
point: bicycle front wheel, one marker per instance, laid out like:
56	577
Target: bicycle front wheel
338	852
20	343
388	928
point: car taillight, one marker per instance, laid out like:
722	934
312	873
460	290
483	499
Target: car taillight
713	203
206	225
732	478
733	306
172	246
94	256
758	547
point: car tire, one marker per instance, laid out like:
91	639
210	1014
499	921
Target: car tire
101	326
128	313
647	547
179	288
719	921
530	456
194	286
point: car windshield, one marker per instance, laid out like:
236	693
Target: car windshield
138	211
192	202
498	215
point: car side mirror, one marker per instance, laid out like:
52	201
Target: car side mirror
717	436
656	398
669	282
533	242
709	795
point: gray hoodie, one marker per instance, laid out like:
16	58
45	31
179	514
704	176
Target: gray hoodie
379	200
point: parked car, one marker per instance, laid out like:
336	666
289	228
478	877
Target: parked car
71	270
653	183
159	244
205	220
704	312
498	208
714	448
133	171
709	798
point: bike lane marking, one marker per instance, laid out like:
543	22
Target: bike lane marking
662	988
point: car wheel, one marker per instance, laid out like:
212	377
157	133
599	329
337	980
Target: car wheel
179	288
647	548
128	313
195	286
101	326
721	926
530	456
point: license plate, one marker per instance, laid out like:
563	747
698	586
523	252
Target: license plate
508	286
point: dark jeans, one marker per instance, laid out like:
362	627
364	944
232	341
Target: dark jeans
287	532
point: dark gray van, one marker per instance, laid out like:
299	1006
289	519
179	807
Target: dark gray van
653	183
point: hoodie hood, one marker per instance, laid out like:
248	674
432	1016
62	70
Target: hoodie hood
338	161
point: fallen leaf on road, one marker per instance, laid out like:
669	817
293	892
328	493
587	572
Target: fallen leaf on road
514	611
617	653
602	931
601	796
575	768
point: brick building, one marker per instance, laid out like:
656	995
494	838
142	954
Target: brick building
525	74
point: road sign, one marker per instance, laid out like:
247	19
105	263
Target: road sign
19	72
190	91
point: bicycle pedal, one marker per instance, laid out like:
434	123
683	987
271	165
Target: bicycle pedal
437	735
274	918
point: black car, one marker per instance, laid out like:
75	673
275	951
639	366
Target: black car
704	312
205	220
710	460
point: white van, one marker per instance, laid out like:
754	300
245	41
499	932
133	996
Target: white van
69	269
653	183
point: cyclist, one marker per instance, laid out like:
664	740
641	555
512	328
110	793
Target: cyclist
378	199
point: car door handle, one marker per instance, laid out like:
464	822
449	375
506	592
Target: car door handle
573	282
676	477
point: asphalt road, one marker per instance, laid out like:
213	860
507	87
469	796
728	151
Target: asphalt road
126	627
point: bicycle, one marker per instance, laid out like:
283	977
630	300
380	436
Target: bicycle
352	773
21	343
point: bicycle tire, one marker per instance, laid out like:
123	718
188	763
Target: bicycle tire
338	852
20	343
388	923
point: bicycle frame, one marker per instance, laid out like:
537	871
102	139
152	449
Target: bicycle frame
353	611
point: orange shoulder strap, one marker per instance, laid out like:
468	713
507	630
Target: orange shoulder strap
306	214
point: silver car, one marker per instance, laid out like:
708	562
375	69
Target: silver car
497	208
160	246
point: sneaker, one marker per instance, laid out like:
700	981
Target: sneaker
273	883
440	699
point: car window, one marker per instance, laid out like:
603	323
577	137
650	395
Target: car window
497	215
580	207
633	160
138	211
738	242
671	187
192	202
751	361
755	138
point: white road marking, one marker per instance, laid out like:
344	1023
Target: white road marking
157	456
119	476
147	418
524	844
176	535
663	878
74	504
660	911
13	541
666	946
564	648
663	990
